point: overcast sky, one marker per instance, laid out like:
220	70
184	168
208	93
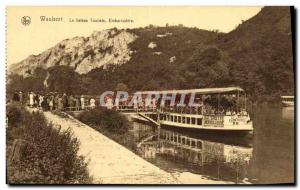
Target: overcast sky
38	36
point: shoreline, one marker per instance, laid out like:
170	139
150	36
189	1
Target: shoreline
112	163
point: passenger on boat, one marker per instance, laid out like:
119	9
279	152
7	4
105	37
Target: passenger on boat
117	103
243	112
228	112
92	103
77	103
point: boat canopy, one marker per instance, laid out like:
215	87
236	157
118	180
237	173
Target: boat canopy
197	91
287	96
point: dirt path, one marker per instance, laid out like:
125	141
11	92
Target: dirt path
109	162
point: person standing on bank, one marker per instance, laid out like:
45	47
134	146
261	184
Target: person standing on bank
51	102
77	103
31	99
21	97
16	97
65	100
36	100
82	102
41	99
60	105
56	101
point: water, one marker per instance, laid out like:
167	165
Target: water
267	157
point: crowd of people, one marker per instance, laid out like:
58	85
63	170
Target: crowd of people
55	101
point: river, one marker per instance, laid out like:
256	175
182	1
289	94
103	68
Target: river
265	158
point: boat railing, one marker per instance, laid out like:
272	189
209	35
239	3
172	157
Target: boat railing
124	108
78	108
181	110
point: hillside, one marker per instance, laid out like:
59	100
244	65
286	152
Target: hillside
261	54
257	56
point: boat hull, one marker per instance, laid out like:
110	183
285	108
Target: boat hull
240	130
227	130
288	104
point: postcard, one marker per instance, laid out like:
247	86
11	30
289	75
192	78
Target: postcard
150	95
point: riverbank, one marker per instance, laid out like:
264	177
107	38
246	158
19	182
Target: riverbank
111	163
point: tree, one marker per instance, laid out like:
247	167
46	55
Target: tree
207	67
122	87
64	79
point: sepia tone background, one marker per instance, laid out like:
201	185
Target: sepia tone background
39	36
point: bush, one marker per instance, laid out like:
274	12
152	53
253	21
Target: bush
108	119
13	114
48	156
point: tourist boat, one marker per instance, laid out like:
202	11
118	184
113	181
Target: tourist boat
220	110
287	100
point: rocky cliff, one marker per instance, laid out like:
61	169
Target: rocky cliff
82	54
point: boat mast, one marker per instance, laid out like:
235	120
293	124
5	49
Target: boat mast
245	96
218	103
238	98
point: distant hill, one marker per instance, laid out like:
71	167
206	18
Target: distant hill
257	56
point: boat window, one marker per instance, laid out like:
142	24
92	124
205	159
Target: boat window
199	144
193	120
193	144
183	140
175	118
183	119
188	120
188	141
179	119
199	121
172	118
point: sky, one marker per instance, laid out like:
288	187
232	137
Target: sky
32	39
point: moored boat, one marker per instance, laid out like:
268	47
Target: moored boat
214	109
287	100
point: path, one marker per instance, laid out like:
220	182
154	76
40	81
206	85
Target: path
108	161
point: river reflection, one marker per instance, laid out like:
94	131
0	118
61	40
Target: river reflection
266	158
215	160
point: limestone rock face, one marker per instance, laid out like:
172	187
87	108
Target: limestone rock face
83	54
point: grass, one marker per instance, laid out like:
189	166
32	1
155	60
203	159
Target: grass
109	120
